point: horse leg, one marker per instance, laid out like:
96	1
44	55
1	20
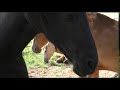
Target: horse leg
66	61
61	59
22	67
15	68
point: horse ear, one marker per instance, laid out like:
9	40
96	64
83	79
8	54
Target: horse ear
34	19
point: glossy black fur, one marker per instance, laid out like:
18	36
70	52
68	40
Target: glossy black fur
69	31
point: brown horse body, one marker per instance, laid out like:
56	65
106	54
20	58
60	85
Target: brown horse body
105	33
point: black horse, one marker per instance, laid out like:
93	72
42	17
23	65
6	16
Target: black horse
18	28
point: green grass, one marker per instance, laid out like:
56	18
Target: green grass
32	59
37	60
53	62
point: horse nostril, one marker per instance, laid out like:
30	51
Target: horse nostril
91	64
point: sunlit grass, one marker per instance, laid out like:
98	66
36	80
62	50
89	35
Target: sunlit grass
37	60
32	59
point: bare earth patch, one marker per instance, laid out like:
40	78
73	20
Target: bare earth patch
61	72
52	72
106	74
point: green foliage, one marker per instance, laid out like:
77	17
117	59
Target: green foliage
32	59
53	61
37	60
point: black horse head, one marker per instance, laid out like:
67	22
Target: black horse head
70	32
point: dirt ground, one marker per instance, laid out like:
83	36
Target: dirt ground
61	72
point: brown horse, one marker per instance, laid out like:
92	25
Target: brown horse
105	32
39	41
49	50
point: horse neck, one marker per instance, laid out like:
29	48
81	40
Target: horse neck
101	22
16	32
